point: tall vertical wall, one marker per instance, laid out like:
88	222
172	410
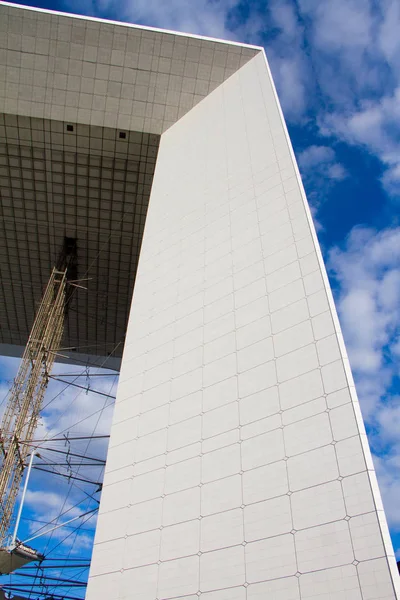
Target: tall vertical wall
238	463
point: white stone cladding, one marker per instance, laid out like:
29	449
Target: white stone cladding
102	73
239	467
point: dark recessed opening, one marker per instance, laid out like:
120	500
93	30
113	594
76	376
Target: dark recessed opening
122	135
70	127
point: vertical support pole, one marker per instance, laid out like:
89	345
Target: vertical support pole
14	537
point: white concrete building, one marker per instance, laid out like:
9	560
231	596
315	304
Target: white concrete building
238	465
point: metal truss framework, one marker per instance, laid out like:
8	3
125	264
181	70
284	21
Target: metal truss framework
26	397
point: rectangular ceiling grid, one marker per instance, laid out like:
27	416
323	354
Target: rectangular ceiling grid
96	191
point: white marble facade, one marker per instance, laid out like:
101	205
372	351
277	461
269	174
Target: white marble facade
246	470
238	466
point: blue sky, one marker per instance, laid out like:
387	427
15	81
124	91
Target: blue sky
337	70
54	499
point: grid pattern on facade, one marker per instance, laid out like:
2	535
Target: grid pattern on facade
88	183
107	74
238	465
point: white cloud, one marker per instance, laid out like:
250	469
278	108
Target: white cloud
354	48
376	127
388	34
49	503
369	301
76	411
49	508
289	64
206	17
321	161
340	25
316	155
337	172
389	421
67	409
388	473
291	85
320	170
344	44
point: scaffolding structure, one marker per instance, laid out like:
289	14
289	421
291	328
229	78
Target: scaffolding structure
21	416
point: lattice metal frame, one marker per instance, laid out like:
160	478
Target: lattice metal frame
26	397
